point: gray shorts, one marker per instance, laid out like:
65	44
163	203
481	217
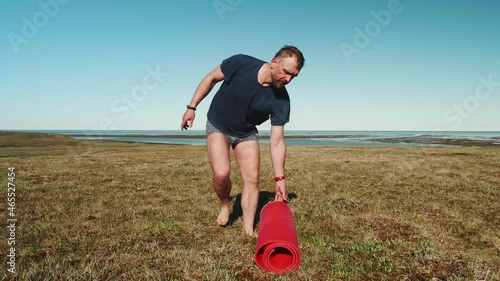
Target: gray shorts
233	141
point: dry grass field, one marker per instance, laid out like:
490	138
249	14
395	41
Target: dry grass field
129	211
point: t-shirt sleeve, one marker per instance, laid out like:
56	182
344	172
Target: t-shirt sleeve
280	114
230	65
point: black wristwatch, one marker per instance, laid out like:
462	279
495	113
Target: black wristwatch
190	107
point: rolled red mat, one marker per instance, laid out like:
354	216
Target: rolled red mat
277	246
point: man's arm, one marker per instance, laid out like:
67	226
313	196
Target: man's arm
278	155
205	86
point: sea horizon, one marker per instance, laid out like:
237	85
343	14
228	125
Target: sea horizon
298	137
73	131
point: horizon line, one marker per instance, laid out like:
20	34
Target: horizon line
348	130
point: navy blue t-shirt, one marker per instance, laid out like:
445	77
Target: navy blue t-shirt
242	102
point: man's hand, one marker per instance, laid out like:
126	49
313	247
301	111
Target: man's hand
187	119
281	191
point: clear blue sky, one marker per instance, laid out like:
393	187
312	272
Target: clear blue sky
86	64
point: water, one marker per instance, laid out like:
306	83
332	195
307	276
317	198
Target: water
300	138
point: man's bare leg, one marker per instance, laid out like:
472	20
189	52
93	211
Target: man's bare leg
218	154
248	156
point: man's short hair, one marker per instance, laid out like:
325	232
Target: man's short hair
289	51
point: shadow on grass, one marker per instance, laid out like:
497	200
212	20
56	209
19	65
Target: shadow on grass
264	198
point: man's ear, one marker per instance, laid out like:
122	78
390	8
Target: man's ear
274	60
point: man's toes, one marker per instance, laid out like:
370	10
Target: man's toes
223	217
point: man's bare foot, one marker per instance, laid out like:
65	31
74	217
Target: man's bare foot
250	233
223	217
248	230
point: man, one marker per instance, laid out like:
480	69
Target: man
252	92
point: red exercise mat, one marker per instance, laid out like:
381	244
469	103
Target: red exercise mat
277	246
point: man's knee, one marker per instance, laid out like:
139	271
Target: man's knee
251	180
221	179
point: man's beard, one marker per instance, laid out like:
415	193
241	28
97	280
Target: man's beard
277	84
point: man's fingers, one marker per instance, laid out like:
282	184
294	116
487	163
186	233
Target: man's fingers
278	197
190	122
187	123
187	120
184	125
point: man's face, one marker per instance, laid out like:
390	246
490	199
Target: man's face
283	71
